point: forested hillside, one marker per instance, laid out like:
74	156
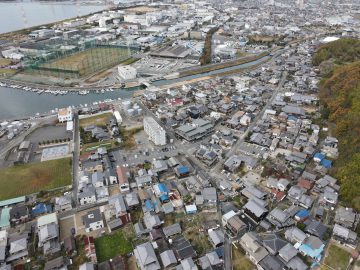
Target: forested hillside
341	51
340	97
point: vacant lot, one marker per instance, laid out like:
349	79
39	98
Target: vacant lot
336	258
128	137
240	261
97	120
30	178
111	245
4	62
192	226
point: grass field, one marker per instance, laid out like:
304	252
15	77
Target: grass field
4	62
112	245
7	72
98	120
336	258
88	61
240	261
30	178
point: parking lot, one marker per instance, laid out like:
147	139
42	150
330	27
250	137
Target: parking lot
144	151
66	224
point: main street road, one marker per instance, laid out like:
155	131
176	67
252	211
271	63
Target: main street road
76	157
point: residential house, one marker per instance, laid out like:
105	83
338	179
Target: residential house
18	248
216	237
146	257
48	232
168	259
345	235
252	247
63	203
19	214
346	217
93	220
295	235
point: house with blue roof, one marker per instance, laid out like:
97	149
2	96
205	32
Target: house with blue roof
327	164
182	171
318	157
302	215
40	209
312	247
149	205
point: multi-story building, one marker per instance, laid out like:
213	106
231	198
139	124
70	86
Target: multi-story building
155	132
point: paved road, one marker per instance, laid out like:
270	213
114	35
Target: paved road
215	170
76	157
35	123
233	150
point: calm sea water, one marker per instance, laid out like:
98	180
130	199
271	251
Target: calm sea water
16	15
15	103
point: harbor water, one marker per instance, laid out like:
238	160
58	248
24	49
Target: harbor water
16	15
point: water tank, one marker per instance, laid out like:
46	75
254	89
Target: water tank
130	112
126	104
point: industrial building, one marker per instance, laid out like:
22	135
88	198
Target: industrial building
155	132
197	130
65	114
127	73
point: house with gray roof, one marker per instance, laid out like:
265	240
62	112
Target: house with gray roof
272	242
280	218
18	249
48	232
151	221
288	252
295	235
87	195
132	200
93	220
209	195
343	234
210	261
270	262
254	210
216	237
98	179
172	230
187	264
63	203
146	258
315	227
168	258
346	217
117	206
87	266
250	243
297	264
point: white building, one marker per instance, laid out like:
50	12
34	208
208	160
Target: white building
118	117
155	132
127	72
65	114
